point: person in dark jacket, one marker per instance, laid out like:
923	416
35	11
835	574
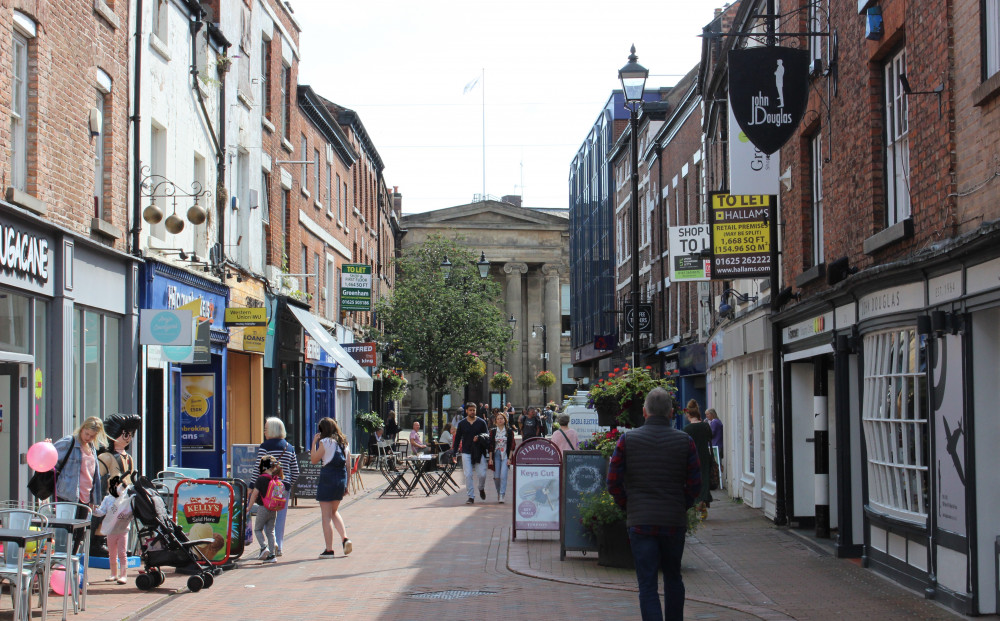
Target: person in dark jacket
391	427
276	446
469	440
701	432
655	476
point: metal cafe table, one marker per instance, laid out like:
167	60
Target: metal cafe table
21	538
420	465
72	589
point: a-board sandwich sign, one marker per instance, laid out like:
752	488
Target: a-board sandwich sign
584	472
537	466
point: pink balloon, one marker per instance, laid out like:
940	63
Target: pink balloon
57	580
42	456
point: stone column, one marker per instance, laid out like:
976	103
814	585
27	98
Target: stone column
516	394
553	327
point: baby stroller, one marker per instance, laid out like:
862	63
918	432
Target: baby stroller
164	543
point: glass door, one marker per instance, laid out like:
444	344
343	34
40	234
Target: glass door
11	432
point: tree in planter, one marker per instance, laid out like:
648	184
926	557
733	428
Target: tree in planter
432	322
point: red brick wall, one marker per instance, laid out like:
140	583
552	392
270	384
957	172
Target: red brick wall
71	43
850	114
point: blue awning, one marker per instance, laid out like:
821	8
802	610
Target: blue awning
665	350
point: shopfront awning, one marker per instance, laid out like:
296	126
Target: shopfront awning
332	347
665	350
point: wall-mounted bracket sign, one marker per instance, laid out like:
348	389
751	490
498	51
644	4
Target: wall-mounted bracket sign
246	317
741	235
355	287
768	90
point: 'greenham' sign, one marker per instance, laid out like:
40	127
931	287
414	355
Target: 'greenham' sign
355	287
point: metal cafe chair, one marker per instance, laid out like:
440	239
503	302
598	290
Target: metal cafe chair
397	483
65	552
19	566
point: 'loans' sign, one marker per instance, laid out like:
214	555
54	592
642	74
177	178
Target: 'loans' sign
355	287
741	235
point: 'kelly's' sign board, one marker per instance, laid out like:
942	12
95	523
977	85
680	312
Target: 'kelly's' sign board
741	235
768	89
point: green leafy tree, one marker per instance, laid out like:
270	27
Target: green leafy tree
431	323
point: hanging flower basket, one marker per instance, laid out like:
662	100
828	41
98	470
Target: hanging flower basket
393	384
629	388
545	378
477	367
501	381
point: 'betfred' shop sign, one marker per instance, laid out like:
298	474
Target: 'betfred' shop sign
363	353
741	235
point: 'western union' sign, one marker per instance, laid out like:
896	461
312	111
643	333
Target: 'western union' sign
246	316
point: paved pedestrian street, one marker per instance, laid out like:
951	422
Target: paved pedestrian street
437	558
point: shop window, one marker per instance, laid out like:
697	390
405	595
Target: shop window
894	417
14	322
96	358
265	78
285	83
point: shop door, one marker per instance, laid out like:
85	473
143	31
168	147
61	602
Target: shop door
13	433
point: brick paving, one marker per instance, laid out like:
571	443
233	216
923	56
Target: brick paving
435	558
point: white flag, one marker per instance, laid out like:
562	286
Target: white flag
471	85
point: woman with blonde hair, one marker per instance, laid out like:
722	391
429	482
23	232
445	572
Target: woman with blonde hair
80	477
277	447
501	450
329	446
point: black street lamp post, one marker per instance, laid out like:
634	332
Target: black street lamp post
633	77
545	360
512	322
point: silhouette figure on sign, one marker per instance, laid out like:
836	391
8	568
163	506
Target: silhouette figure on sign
779	82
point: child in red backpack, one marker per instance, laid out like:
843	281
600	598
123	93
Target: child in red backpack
269	487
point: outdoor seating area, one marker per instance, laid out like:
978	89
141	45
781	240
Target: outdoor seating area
429	473
38	543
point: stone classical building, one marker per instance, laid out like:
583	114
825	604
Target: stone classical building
528	251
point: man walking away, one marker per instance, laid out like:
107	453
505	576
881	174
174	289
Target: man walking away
655	477
474	451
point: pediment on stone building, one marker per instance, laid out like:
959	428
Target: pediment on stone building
489	213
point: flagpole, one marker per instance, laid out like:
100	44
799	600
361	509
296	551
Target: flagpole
483	75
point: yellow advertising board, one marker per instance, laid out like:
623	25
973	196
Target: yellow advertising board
246	316
741	235
254	338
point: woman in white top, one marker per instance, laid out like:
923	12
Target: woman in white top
446	435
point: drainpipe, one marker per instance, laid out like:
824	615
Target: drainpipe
136	129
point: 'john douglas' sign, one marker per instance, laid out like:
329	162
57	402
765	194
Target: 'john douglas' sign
767	90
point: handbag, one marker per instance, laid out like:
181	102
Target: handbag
42	485
714	480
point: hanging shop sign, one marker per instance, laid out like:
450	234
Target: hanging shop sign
751	171
363	353
645	318
165	327
246	317
198	411
688	246
741	235
768	89
355	287
605	342
254	339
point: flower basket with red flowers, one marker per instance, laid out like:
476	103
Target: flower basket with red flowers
545	378
628	387
477	367
501	381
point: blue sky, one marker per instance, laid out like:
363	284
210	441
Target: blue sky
547	66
